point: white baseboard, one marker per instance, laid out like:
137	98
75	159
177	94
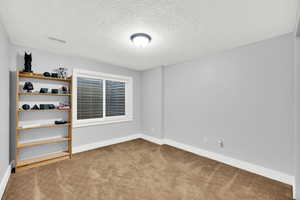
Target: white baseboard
4	180
272	174
152	139
104	143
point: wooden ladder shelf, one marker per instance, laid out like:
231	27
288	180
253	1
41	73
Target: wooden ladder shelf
23	163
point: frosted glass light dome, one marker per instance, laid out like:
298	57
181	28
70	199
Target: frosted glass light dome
140	39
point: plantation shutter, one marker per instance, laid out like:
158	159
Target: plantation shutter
89	98
115	98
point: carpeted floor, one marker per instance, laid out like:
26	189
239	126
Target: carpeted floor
139	170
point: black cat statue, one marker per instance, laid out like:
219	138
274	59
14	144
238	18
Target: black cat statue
27	64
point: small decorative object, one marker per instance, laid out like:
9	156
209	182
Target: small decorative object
47	106
43	106
64	90
54	75
28	86
54	91
26	107
60	122
47	74
35	107
62	72
27	63
44	90
64	106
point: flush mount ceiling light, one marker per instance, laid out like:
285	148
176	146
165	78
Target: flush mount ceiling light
140	39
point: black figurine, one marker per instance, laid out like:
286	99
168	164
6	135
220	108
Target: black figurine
54	75
54	91
27	64
26	107
47	74
44	90
28	86
35	107
64	90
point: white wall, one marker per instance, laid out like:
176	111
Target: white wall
45	61
4	102
152	102
243	96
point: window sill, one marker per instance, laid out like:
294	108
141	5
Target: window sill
78	125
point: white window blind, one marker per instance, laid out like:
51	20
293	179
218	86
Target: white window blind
115	98
101	98
89	98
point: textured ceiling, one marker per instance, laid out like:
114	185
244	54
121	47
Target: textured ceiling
181	29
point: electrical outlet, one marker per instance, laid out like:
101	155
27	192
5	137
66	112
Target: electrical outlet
205	139
221	143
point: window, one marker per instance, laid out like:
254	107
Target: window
101	98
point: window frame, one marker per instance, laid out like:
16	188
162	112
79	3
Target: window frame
105	120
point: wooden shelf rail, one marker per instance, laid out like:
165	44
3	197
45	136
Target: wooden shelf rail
44	126
44	158
42	77
42	94
41	142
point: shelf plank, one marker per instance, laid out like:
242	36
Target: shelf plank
44	110
43	94
40	76
38	164
40	142
44	126
40	159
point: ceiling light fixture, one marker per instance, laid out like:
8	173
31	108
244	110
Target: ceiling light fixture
140	39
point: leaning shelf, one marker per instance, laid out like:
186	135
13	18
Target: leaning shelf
21	164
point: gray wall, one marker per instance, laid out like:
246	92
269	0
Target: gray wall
297	114
45	61
152	102
243	96
4	102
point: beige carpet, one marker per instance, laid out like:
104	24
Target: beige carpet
139	170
